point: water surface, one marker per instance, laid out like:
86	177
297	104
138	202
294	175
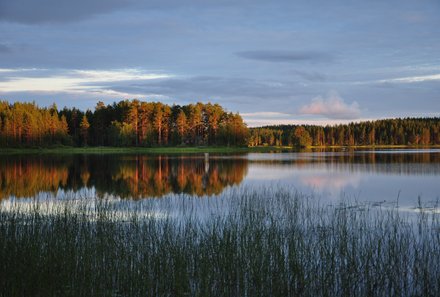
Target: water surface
381	176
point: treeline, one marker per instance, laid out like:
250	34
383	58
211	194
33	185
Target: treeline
137	123
408	131
26	124
125	123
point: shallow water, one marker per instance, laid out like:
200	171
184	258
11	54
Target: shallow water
381	177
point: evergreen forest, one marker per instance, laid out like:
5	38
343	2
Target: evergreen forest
407	131
134	123
125	123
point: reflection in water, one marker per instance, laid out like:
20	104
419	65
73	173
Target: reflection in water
26	176
124	176
375	175
387	162
359	175
333	183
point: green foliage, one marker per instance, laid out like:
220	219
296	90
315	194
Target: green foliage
146	124
408	131
301	137
122	134
126	123
84	126
25	124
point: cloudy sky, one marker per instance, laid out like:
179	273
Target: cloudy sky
314	61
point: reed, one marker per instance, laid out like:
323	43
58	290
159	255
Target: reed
274	242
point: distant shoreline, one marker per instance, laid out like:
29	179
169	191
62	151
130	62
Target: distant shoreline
139	150
195	150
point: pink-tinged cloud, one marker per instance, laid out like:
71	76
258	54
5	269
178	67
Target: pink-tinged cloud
332	107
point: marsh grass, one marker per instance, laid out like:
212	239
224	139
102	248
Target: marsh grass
274	242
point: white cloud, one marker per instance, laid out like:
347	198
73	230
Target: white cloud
117	75
412	79
266	114
322	122
332	107
70	80
265	118
15	70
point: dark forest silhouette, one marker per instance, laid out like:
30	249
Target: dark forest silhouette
408	131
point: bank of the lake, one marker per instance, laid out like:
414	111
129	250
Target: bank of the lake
195	149
143	150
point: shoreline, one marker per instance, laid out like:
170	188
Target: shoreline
196	150
138	150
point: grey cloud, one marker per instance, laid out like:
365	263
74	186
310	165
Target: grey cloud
44	11
312	76
4	48
82	101
286	56
298	52
15	73
61	11
207	87
235	94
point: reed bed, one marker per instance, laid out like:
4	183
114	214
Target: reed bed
271	242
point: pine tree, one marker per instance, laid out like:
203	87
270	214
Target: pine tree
158	122
181	126
84	128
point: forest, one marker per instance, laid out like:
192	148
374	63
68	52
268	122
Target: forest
134	123
407	131
125	123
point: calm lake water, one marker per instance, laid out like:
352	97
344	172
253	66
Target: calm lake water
381	176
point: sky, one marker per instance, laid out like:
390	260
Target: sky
274	62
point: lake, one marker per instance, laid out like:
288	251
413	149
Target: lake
382	177
322	223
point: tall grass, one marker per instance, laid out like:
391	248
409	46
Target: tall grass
269	243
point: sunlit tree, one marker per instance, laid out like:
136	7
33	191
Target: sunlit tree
84	126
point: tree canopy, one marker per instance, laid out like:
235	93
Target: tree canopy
407	131
124	123
139	123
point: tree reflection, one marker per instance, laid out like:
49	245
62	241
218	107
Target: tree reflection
123	176
385	162
143	176
28	176
140	176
